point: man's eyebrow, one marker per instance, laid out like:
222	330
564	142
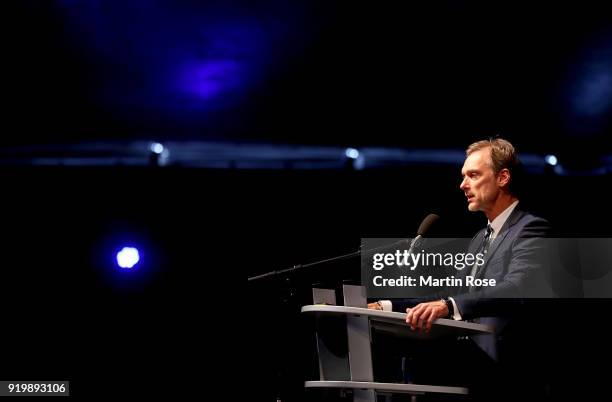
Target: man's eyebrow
469	171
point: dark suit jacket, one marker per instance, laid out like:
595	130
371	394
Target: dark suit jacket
515	260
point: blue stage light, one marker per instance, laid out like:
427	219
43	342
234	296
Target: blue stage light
157	148
551	160
128	257
351	153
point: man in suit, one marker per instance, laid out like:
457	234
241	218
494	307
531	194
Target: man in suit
511	243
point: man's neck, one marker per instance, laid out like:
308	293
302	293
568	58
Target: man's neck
503	202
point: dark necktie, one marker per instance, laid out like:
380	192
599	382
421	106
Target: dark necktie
484	247
486	242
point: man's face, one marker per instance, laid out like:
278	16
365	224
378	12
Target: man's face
479	184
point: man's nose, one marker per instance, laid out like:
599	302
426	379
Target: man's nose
463	184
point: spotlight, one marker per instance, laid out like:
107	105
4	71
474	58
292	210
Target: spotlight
128	257
551	160
354	159
351	153
156	148
158	154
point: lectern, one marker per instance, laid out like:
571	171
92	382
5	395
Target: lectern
343	335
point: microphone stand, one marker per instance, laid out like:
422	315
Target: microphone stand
357	253
290	295
300	267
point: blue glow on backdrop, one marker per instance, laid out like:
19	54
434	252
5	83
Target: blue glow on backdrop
589	99
209	79
177	58
594	90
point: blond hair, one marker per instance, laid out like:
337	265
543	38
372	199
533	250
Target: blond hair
503	156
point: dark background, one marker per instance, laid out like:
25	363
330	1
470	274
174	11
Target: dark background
236	86
317	72
70	314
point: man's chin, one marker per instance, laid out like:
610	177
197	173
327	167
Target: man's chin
473	207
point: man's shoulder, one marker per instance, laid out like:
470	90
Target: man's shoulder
529	217
529	224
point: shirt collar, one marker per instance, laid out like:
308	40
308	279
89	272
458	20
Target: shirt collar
499	221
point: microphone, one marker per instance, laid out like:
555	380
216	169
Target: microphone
404	243
427	223
423	228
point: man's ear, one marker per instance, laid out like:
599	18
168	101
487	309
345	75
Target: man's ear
503	178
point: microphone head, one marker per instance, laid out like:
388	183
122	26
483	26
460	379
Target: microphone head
426	224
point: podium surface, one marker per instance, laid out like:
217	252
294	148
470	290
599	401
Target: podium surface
347	365
395	323
384	387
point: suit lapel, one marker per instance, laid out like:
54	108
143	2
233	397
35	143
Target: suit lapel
473	249
514	217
